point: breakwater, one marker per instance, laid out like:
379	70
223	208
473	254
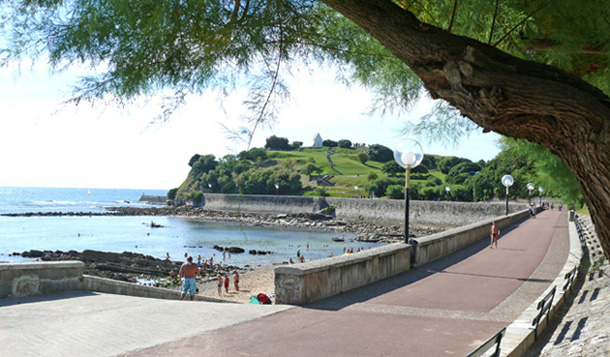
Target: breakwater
430	213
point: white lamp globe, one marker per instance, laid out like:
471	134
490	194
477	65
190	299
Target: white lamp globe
540	189
507	180
530	186
408	153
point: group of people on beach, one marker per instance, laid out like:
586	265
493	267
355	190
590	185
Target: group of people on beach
188	274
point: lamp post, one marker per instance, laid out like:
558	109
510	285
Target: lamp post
507	181
408	154
530	186
540	190
447	190
357	192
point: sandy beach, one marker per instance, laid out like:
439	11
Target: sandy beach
260	280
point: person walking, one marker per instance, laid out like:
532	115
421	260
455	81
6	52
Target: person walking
188	272
495	233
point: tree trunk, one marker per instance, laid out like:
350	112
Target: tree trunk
505	94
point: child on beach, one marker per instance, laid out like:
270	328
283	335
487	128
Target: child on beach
227	284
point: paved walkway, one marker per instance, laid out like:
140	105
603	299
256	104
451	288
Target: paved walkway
448	307
583	326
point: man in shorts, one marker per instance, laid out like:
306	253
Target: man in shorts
188	272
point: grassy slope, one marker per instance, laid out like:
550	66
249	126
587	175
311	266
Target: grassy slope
349	173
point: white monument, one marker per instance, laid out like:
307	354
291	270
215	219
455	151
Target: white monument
317	141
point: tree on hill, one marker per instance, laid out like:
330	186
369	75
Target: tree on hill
461	172
329	143
276	143
490	62
344	143
363	157
448	162
204	164
380	153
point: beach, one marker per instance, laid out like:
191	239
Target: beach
253	282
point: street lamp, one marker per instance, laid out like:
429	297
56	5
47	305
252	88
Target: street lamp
540	190
447	190
408	154
530	187
357	192
507	181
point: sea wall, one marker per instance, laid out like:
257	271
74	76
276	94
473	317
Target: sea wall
37	278
25	279
318	279
312	281
433	213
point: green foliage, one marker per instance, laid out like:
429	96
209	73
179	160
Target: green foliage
551	173
196	197
171	194
372	176
392	168
329	143
429	161
194	159
310	169
459	173
448	162
264	182
344	143
377	152
296	145
420	169
254	154
395	191
203	165
276	143
318	192
363	157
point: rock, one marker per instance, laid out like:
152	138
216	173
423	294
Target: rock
236	250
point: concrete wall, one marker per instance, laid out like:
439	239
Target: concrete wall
24	279
435	246
36	278
110	286
308	282
318	279
435	213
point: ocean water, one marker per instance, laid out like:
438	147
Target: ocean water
134	234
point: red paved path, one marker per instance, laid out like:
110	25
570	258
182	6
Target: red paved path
443	309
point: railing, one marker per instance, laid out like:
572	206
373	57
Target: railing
544	307
570	279
493	340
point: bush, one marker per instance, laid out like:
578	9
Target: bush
196	196
372	176
363	157
329	143
420	176
345	144
276	143
380	153
395	191
171	194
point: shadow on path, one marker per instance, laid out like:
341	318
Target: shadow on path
45	298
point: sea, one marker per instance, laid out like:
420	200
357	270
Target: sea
178	236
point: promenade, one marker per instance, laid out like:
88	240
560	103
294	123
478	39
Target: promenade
447	307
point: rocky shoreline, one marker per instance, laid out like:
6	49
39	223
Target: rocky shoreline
129	266
135	267
366	231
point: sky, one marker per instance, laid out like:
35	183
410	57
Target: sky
44	143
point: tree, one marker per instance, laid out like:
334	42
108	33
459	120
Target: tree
448	162
310	169
329	143
296	145
489	62
378	152
344	143
276	143
392	168
363	157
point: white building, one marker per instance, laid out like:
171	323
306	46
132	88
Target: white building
317	141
